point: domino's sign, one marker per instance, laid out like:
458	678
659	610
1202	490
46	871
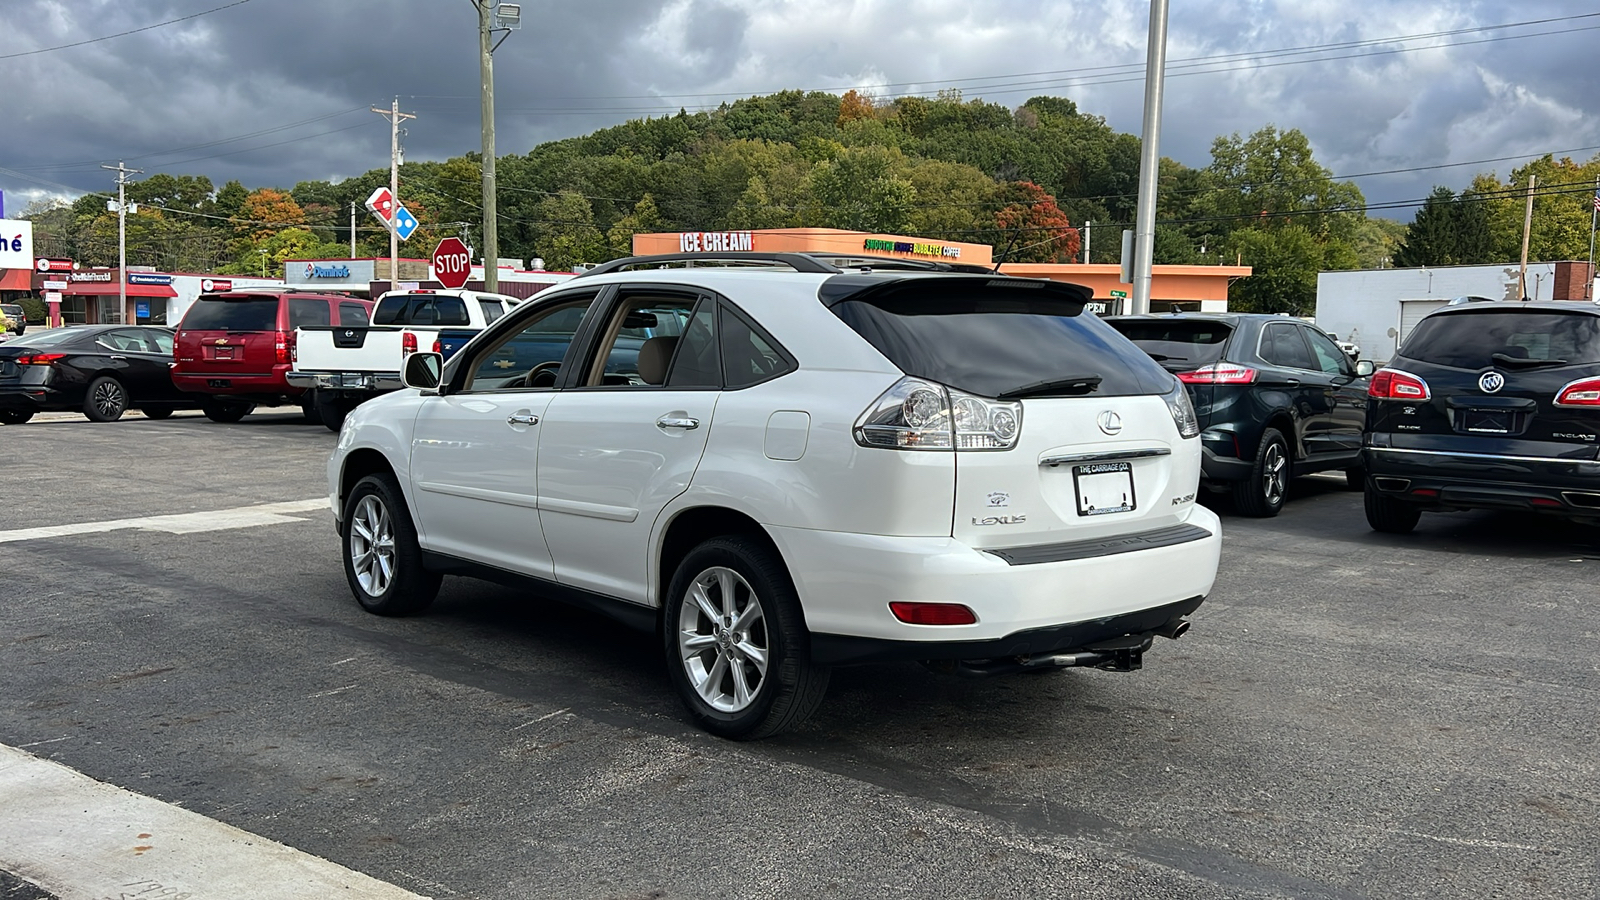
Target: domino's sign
16	244
315	271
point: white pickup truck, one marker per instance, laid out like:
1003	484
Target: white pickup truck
344	365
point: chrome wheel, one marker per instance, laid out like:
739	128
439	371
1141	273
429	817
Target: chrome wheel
722	639
372	546
1274	474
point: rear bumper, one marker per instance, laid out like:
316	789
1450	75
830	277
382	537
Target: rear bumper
1216	467
31	397
258	387
346	381
1436	479
846	582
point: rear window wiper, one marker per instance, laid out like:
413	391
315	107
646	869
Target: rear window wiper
1162	357
1523	361
1073	384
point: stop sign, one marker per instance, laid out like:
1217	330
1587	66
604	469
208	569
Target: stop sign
452	263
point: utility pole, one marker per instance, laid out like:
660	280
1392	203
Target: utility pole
352	229
492	17
395	117
1594	209
1155	70
1527	225
1088	229
122	235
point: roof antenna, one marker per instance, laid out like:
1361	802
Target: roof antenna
1006	252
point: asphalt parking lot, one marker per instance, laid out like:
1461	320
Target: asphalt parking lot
1352	715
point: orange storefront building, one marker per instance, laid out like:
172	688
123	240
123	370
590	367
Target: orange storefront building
1173	287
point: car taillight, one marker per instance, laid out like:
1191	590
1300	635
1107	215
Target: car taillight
282	345
437	347
408	343
1182	410
922	415
39	359
1393	384
1219	373
1582	394
933	613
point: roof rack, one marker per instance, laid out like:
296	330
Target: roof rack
816	263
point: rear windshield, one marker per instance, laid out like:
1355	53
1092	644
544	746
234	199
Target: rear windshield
1470	340
1177	344
988	345
420	309
242	314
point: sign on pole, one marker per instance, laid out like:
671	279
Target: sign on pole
382	205
405	224
1121	294
452	263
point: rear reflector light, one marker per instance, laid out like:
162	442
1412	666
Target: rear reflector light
1545	503
1425	492
39	359
408	343
933	613
1584	394
1393	384
1219	373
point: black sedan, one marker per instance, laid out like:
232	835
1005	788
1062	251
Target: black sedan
1276	398
102	370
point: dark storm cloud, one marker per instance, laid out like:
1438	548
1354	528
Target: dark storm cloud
575	67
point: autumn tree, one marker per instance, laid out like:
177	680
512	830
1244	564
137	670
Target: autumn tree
1033	227
854	106
267	211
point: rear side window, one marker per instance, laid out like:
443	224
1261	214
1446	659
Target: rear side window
491	310
1471	340
229	314
420	309
304	312
353	314
1185	343
1282	345
989	342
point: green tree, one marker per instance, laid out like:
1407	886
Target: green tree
645	219
1431	238
565	233
864	188
1286	261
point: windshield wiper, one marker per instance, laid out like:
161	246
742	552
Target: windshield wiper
1525	362
1073	384
1162	357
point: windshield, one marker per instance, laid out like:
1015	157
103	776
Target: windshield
241	314
1178	343
991	343
1471	340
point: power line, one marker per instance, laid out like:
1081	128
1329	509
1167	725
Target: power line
126	33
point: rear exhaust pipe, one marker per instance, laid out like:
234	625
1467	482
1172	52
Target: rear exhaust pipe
1175	629
1581	498
1392	484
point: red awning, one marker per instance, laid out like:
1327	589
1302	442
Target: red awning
16	279
102	289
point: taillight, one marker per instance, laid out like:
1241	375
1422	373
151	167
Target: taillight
1581	394
1219	373
39	359
933	613
1182	410
281	346
922	415
437	347
1393	384
408	343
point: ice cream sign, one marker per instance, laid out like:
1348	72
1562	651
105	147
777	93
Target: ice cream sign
16	244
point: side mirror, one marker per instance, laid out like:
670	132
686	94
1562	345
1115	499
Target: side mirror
423	371
1364	368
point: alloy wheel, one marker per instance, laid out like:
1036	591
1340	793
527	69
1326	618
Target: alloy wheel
372	546
1274	474
109	399
722	639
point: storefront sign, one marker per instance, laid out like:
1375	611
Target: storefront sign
54	285
715	241
145	278
216	284
90	276
341	272
16	244
141	309
915	248
55	265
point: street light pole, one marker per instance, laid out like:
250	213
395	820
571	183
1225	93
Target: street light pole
491	225
1149	158
122	236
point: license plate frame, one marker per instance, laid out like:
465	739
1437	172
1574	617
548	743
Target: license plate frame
1487	421
1094	483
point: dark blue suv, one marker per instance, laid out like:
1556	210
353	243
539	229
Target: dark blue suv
1276	398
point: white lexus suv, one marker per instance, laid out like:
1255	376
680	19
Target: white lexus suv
781	465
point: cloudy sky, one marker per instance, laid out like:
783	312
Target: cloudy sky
276	91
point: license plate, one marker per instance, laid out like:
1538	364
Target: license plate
1485	421
218	383
222	353
1104	488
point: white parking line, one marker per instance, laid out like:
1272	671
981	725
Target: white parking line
182	523
77	837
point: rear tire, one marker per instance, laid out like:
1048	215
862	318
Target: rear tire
1355	478
1388	515
156	412
14	416
331	410
382	559
1261	495
105	400
226	411
737	648
308	408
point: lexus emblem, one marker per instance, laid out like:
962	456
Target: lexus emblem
1491	382
1109	422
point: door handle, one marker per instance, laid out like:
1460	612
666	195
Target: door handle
522	419
1293	382
120	358
684	422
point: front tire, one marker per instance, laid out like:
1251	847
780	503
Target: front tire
15	416
105	400
382	559
1389	515
156	412
737	648
226	411
1261	495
